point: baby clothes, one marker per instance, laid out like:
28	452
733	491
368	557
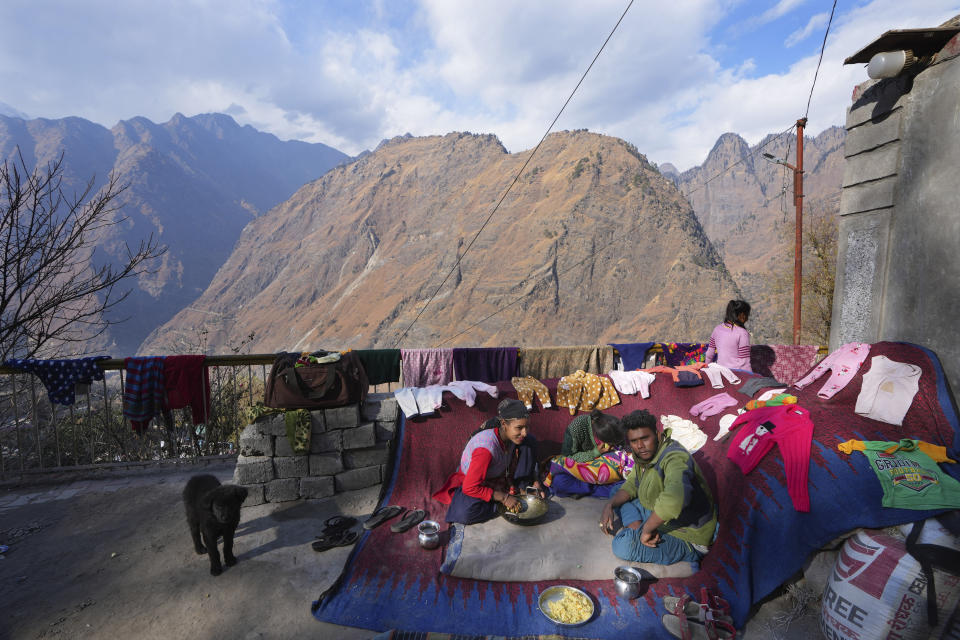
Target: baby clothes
844	363
685	432
909	474
675	371
712	405
731	344
632	382
888	390
753	385
790	427
466	390
773	401
60	377
766	395
725	421
586	391
527	387
423	367
415	401
716	371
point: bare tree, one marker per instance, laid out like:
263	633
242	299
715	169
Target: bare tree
52	292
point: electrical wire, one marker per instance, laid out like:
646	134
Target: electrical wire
592	254
822	47
515	179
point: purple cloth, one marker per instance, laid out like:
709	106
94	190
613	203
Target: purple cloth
488	364
680	353
632	355
423	367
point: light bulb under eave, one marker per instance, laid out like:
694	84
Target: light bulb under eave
889	64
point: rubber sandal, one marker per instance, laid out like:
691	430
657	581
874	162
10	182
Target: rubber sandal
699	612
340	539
381	515
337	523
409	519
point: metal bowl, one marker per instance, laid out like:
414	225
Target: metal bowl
554	594
532	508
627	580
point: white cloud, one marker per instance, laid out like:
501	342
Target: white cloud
493	67
816	23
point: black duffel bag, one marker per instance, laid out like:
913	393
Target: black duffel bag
315	386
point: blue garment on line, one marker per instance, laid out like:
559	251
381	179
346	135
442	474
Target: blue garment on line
632	355
60	377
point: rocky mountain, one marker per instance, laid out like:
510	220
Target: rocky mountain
194	183
748	212
592	244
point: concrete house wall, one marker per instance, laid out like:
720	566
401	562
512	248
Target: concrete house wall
898	263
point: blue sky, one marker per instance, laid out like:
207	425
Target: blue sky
675	76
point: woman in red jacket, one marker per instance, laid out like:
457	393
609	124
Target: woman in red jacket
499	456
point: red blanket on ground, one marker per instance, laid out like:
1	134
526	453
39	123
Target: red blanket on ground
390	582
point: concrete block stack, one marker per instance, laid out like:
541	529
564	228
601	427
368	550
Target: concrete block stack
349	449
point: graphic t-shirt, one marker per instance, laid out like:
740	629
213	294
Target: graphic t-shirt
910	477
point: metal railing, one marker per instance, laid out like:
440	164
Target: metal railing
38	436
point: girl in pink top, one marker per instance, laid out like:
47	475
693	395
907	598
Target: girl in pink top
730	341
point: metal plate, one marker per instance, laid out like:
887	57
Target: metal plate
555	594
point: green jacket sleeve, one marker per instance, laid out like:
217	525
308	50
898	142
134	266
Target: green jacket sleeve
671	500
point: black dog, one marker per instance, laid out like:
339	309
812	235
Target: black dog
214	509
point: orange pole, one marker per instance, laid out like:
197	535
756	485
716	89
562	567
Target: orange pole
798	249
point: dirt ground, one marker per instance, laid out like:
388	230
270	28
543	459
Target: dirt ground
111	557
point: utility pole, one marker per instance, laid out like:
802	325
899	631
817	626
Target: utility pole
798	204
798	249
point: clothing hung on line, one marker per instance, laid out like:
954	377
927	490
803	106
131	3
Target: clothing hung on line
586	391
632	382
888	390
423	367
730	343
186	383
843	364
142	390
753	385
716	373
381	365
677	354
544	363
684	432
712	405
632	355
485	364
61	377
909	474
787	426
529	386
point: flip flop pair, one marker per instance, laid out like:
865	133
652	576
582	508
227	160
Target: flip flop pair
381	515
337	531
689	620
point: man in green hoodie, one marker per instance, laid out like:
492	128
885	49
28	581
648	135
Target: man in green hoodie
665	504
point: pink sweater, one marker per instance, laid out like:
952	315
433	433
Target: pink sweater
731	344
792	431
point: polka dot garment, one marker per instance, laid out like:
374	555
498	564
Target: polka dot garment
60	377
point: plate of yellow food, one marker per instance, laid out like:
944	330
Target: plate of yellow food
565	605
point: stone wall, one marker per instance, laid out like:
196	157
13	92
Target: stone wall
349	449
